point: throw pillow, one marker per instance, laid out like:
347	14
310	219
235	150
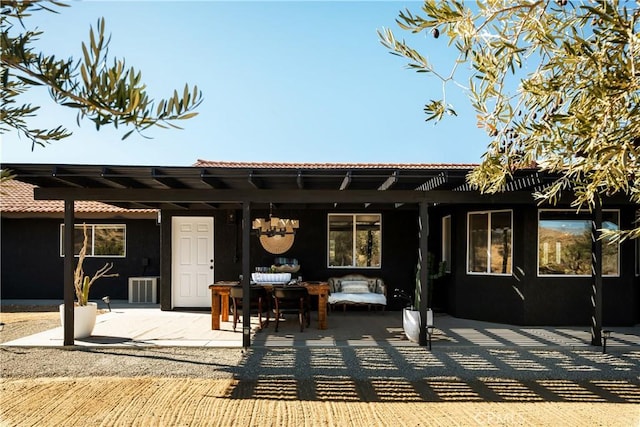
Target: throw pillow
355	287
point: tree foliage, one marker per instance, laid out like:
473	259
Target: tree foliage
553	83
103	91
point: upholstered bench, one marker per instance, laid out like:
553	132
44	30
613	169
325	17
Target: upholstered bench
357	289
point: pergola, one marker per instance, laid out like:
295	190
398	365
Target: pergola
246	186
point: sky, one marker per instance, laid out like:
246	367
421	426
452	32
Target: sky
292	81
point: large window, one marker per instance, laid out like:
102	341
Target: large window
105	240
446	243
489	242
564	243
355	240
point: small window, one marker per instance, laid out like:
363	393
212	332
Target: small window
446	243
105	240
564	243
354	240
489	242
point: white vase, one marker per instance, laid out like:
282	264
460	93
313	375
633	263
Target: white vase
411	323
84	319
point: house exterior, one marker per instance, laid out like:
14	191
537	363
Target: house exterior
32	232
507	259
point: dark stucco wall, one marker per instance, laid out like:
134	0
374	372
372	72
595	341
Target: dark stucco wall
524	298
32	267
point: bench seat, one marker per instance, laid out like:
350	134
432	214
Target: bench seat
357	289
369	298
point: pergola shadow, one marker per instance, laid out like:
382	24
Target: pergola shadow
405	374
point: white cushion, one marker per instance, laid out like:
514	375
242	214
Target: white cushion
355	287
368	298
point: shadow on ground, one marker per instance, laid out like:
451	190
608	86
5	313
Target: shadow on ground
404	374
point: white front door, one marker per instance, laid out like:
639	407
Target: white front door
192	263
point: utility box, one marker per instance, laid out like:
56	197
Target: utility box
143	290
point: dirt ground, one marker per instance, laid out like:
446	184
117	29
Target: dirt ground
154	401
192	402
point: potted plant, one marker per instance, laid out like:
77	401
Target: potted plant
84	311
411	311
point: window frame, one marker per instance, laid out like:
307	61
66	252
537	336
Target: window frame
91	228
446	243
617	211
489	272
354	246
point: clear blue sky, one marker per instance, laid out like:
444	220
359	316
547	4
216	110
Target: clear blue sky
293	81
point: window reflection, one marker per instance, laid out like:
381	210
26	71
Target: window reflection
354	240
489	244
109	240
478	226
103	240
501	242
564	243
446	242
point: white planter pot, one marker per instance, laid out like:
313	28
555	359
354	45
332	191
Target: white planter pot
84	319
411	324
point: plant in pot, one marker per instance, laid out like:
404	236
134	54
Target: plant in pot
411	311
85	311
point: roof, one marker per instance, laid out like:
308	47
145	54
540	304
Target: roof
288	165
17	198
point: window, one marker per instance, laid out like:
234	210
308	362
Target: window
489	242
564	243
104	240
355	240
446	243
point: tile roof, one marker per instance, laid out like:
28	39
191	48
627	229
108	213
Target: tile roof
286	165
17	197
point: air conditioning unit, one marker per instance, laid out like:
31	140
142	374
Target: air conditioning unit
143	290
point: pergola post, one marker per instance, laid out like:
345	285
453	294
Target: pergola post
246	274
69	252
423	229
596	274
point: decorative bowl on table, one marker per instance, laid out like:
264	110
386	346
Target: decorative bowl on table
271	277
287	268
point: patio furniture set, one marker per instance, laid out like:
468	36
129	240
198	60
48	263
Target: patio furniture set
284	298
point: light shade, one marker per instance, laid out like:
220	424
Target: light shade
276	234
275	226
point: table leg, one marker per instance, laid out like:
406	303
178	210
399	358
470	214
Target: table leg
225	306
322	310
215	310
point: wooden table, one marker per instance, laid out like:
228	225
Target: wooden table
321	289
220	301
